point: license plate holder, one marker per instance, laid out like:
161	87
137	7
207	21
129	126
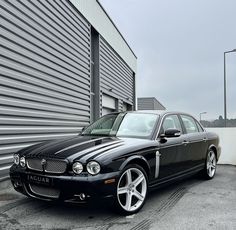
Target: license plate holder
36	179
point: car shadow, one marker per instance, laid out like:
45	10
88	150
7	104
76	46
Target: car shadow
96	214
105	207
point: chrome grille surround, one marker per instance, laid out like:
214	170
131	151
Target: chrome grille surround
34	164
55	166
51	166
44	191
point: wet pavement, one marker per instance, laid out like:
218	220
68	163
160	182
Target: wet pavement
191	204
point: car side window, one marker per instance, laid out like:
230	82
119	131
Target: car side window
189	124
200	129
171	122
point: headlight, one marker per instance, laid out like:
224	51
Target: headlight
93	167
16	159
22	162
77	168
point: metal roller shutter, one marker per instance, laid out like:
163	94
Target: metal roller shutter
44	74
115	76
108	104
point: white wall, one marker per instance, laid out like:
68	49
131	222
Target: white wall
227	143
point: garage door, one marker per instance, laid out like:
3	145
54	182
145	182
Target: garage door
108	104
44	74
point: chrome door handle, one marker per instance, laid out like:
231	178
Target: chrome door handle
204	139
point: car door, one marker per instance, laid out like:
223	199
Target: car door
197	142
172	150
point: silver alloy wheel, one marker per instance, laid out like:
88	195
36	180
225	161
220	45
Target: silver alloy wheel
132	189
211	163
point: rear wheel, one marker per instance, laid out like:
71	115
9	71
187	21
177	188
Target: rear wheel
210	165
132	190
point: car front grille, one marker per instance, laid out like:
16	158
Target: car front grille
44	191
49	166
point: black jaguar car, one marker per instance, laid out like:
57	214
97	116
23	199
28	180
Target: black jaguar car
121	156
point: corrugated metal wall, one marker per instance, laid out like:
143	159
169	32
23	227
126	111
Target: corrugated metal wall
44	74
116	78
158	105
98	18
145	103
149	103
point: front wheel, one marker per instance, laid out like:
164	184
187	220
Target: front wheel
210	165
132	190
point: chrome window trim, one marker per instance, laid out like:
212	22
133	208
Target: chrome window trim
178	114
200	126
194	120
161	122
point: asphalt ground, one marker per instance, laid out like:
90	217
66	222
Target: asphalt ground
190	204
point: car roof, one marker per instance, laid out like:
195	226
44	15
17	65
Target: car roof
159	112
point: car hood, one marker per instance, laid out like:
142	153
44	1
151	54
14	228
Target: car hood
85	148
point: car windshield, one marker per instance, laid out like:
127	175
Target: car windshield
139	125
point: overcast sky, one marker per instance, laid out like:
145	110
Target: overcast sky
180	46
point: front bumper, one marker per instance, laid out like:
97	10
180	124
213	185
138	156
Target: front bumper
64	187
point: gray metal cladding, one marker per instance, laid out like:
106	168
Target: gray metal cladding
149	103
115	75
44	74
145	103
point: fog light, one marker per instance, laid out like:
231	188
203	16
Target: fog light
82	196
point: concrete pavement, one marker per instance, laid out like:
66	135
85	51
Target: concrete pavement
191	204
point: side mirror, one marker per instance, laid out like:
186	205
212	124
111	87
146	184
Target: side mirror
171	133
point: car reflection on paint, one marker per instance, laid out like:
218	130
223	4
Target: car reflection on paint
120	156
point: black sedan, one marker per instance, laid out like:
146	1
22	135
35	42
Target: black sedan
120	156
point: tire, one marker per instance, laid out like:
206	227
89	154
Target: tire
132	189
210	165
